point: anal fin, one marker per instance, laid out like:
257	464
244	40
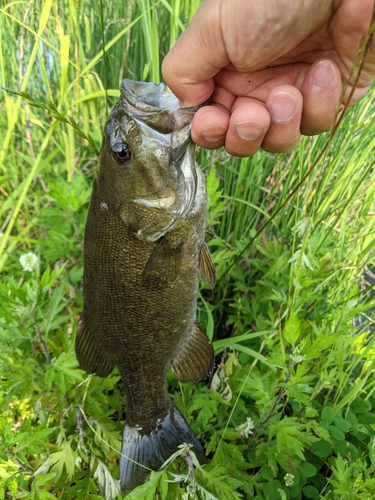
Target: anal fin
206	266
196	357
87	351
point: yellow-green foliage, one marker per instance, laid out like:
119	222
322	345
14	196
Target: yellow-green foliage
290	410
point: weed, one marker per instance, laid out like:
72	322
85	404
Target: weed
290	411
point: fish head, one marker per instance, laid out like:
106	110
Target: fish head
147	171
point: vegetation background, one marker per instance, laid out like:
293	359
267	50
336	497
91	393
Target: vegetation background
289	413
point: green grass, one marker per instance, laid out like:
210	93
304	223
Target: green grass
293	392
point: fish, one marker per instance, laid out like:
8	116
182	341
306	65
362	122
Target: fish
144	252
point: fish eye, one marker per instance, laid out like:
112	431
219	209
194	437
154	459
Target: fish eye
121	152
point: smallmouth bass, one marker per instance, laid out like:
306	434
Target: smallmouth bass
144	251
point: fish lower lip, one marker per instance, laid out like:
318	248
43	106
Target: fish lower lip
157	203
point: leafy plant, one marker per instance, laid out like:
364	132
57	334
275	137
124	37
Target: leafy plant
289	413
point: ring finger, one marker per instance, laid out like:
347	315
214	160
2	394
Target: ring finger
284	105
249	122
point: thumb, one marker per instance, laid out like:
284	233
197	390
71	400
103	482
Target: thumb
197	56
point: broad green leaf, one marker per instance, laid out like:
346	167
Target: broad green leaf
292	329
336	433
321	449
344	425
366	418
63	461
307	469
148	490
310	491
271	489
360	405
33	440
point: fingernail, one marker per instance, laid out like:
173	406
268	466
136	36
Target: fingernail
213	133
249	130
283	106
323	74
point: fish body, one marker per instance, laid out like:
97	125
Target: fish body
144	250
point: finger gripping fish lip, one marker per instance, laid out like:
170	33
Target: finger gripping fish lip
148	97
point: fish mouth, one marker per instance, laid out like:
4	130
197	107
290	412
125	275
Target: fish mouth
160	110
162	203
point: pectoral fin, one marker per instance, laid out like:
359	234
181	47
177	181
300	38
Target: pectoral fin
163	265
88	354
195	360
206	266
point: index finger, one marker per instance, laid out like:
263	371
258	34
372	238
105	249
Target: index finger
197	56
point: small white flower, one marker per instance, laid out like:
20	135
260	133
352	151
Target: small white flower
245	429
29	261
289	479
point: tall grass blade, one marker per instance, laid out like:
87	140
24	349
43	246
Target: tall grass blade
43	21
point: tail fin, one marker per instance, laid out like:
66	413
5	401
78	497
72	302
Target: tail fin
153	450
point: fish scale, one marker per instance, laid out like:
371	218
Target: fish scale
142	262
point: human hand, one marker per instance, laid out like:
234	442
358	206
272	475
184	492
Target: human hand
273	68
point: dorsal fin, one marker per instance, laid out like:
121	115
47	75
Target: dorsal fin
196	357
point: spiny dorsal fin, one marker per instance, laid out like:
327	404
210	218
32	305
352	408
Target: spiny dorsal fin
206	266
163	264
196	357
88	355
